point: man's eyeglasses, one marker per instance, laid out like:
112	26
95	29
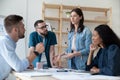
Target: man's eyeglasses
42	27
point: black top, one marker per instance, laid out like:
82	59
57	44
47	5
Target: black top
107	60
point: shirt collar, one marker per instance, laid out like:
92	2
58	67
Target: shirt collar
13	42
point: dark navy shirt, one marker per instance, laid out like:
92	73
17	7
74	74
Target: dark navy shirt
107	60
50	39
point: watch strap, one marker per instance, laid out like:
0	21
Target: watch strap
36	53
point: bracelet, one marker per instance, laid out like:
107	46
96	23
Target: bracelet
36	53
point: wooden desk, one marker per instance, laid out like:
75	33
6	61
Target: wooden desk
64	76
21	77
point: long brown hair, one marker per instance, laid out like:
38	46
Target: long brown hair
81	26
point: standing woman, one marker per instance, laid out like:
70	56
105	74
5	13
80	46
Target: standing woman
79	40
107	61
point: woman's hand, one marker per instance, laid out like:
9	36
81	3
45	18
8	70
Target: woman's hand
68	56
94	70
57	58
91	54
93	47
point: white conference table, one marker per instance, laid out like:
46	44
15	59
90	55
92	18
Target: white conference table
53	74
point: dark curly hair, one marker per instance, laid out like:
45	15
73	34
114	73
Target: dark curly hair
107	35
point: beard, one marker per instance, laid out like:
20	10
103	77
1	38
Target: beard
20	35
45	33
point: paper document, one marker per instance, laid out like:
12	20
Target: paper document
33	74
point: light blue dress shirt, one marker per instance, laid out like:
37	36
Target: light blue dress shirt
9	59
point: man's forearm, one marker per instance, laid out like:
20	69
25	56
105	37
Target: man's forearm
52	54
31	57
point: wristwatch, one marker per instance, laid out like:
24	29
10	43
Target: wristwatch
36	53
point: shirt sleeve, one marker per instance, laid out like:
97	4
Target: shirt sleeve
8	53
88	41
53	39
31	40
113	61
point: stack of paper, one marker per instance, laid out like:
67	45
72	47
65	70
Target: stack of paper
33	74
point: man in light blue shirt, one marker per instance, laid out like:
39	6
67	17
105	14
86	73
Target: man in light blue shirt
8	59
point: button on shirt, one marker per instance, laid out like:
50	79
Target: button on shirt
8	58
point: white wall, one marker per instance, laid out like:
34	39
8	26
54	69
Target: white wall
35	10
31	10
15	7
116	16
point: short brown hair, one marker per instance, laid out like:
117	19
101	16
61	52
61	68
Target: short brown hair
38	21
10	21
